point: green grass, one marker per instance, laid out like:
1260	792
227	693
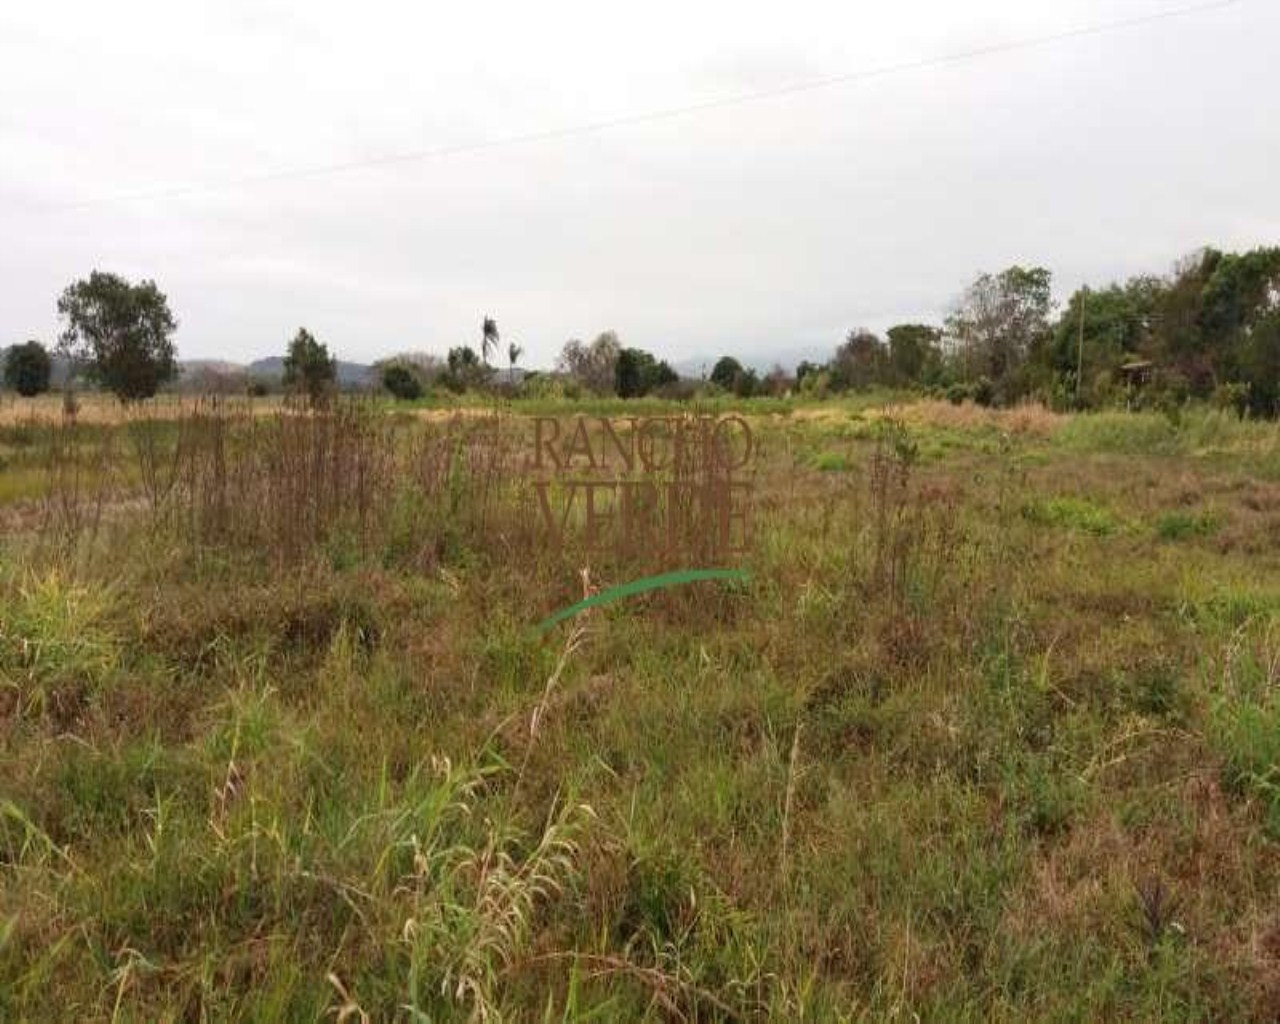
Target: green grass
1174	526
21	484
831	462
1124	433
1072	514
982	697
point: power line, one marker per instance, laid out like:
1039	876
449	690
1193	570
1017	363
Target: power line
667	113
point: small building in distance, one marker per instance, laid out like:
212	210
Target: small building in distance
1137	373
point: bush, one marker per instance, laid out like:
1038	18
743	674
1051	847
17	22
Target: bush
682	390
1234	397
549	387
816	384
402	383
27	369
1105	391
466	371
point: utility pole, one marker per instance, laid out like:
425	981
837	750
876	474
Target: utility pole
1084	292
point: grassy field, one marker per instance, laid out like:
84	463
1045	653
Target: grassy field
991	734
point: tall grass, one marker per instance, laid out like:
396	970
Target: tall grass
280	741
292	484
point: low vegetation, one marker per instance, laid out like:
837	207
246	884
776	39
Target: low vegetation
990	734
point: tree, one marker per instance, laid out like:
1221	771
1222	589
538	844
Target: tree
1259	360
465	370
914	353
1112	330
1200	325
638	373
1180	342
309	369
805	368
731	375
121	332
726	373
402	382
747	384
663	376
488	339
777	382
594	365
514	352
1240	303
27	369
860	363
629	372
1000	320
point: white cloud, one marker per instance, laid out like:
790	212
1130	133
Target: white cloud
776	224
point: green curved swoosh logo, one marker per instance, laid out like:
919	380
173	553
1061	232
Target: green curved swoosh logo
641	586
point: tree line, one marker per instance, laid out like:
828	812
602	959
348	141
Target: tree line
1210	329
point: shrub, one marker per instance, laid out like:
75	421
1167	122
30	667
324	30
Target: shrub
816	384
1233	397
466	371
402	382
549	387
27	369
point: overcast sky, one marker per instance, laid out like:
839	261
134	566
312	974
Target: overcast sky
770	226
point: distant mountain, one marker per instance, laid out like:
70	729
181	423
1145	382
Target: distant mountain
190	367
350	375
271	368
762	362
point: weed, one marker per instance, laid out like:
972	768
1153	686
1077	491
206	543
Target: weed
831	462
1245	717
55	645
1156	907
1174	526
1072	514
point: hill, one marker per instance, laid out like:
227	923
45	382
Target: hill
349	374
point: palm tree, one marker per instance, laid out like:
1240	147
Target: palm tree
514	352
488	339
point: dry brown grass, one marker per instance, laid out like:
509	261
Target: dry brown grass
1030	418
106	410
